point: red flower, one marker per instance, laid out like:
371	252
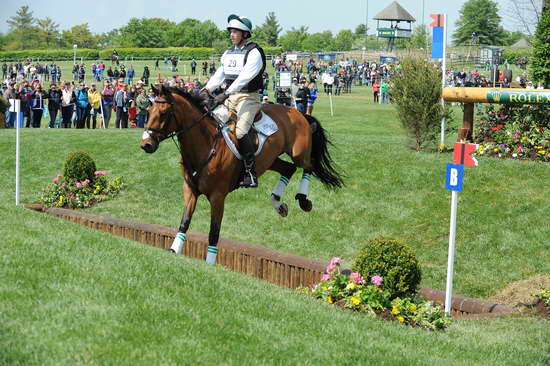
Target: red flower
498	127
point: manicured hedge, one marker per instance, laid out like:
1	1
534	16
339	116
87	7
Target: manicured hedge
183	53
512	55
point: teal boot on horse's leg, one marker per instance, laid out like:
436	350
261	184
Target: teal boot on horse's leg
246	148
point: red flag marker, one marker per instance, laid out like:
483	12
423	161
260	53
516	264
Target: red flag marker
463	154
439	20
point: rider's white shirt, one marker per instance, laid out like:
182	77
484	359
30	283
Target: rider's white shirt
232	64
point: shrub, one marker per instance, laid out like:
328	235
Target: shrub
540	63
79	166
513	55
416	91
394	261
49	55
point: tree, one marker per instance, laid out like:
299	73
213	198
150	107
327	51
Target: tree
322	41
80	35
343	40
293	39
269	31
525	14
479	17
192	33
416	93
48	32
361	30
146	32
22	29
420	37
540	62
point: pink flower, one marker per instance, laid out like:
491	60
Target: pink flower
548	156
377	280
356	277
73	197
85	182
520	148
57	178
330	268
335	261
78	184
325	277
100	172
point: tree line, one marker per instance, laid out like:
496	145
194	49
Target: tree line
478	18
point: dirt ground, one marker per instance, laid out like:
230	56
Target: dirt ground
520	292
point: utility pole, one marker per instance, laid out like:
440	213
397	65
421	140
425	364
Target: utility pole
367	28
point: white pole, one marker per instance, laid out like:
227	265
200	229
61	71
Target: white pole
102	114
331	109
451	256
443	77
17	108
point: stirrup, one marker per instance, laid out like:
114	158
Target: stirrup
249	180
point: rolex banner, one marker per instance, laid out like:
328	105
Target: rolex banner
525	97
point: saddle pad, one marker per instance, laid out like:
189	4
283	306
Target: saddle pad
266	125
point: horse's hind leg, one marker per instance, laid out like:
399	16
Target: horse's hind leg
305	204
286	170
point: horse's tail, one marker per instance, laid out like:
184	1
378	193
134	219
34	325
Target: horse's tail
320	157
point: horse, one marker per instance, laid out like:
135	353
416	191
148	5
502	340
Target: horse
210	168
114	58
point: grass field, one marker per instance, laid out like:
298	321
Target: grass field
70	295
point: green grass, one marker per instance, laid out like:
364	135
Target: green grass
71	295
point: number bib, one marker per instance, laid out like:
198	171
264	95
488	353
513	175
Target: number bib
233	63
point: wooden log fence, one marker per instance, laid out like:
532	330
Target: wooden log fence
282	269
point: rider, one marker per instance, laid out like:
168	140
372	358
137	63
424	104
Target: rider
241	70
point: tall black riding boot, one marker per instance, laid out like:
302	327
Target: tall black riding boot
246	148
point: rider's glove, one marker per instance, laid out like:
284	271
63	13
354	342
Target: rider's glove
220	98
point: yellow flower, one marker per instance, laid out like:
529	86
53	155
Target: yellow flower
395	310
481	148
412	307
324	288
401	319
524	138
330	300
542	152
495	149
355	300
351	286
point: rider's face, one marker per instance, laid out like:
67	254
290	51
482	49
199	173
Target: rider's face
236	36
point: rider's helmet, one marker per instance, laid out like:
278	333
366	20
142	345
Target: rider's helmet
241	23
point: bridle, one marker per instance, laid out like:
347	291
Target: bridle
169	119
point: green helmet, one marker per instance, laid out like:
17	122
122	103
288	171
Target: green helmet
241	23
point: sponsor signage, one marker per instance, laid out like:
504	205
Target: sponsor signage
525	97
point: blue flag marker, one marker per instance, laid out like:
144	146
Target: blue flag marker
454	177
437	42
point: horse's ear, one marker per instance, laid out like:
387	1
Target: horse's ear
155	90
164	90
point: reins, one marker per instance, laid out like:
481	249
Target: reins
193	173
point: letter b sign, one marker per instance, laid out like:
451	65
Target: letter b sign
453	180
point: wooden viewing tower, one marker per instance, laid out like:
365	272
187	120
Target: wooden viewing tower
394	14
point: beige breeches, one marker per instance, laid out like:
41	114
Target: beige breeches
245	106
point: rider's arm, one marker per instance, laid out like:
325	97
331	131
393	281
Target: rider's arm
217	79
250	70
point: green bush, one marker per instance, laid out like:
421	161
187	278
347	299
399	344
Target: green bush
394	261
49	55
79	166
540	62
184	53
513	55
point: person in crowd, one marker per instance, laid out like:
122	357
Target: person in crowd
121	106
204	68
376	91
384	89
146	75
312	98
82	105
130	75
142	104
301	97
107	100
38	97
54	103
12	92
94	98
25	96
193	66
68	99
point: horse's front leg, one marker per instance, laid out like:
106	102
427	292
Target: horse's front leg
217	202
190	198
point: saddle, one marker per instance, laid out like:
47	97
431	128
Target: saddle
261	129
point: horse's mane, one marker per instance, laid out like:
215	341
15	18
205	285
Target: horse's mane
196	101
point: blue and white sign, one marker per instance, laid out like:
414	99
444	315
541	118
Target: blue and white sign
454	177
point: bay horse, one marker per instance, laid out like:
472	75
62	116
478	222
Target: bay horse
209	167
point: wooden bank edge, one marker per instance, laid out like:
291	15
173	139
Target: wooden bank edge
463	307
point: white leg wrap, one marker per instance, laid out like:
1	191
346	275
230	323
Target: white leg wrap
177	245
276	203
304	184
280	187
211	255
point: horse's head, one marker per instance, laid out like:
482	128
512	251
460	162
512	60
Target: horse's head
162	120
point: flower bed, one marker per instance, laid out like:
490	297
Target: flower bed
517	132
62	192
369	296
543	304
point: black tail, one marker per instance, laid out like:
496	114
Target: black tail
320	156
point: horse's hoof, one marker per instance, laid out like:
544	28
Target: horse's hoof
283	210
170	250
305	204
